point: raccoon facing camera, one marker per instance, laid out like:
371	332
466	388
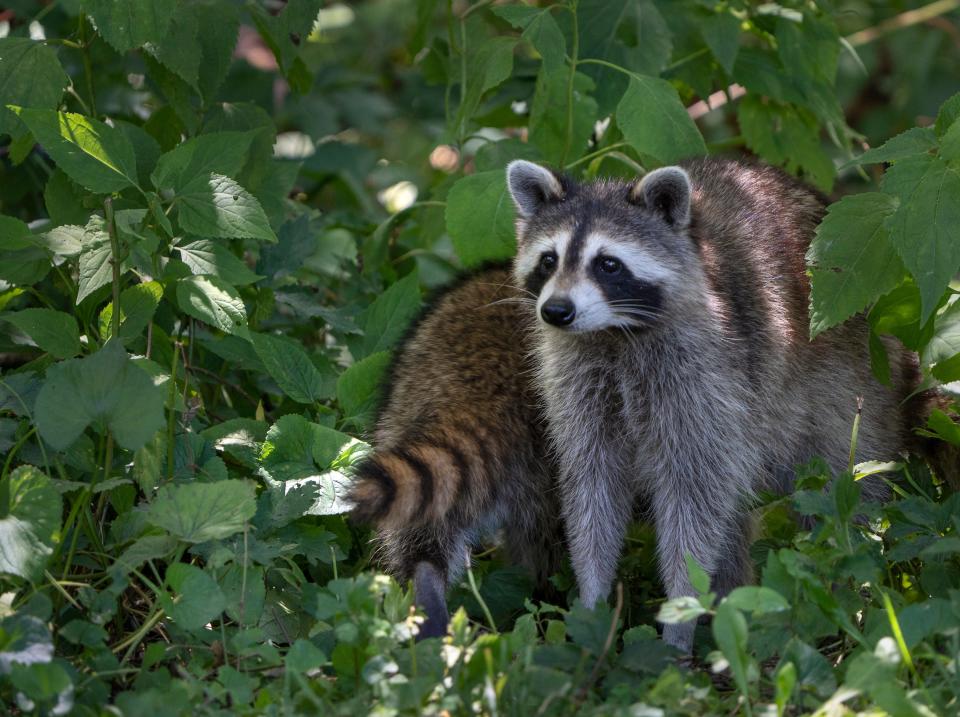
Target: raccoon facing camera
673	359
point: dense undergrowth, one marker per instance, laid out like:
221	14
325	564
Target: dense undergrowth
216	220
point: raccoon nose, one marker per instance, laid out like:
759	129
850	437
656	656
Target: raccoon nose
559	312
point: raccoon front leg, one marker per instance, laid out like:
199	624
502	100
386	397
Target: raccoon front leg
692	516
597	505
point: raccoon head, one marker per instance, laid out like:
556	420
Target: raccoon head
604	254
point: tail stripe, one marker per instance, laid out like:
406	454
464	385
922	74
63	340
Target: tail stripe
372	470
422	470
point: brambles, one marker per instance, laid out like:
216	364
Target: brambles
200	289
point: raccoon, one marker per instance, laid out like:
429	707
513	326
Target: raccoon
674	362
459	445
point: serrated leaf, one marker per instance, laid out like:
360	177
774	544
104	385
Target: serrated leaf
128	24
539	29
655	122
721	32
916	140
219	207
30	524
30	76
95	268
245	593
925	229
358	388
295	448
479	216
730	632
221	24
285	32
179	47
288	365
219	152
137	306
548	114
197	512
385	320
488	64
106	387
852	260
205	256
53	331
948	114
197	599
93	154
213	301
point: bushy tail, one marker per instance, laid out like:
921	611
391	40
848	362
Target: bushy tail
417	483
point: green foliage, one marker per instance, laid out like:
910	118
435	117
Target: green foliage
217	221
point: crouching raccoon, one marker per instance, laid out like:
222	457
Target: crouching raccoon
459	450
672	354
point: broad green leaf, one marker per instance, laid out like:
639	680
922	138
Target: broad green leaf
213	301
698	576
556	138
539	29
137	306
598	21
244	587
916	140
655	122
948	115
197	598
721	32
30	525
216	206
55	332
106	387
220	23
288	365
925	229
22	260
303	655
386	319
93	154
30	76
286	32
479	217
295	448
205	256
95	268
64	200
128	24
852	260
730	632
358	388
875	675
26	640
680	609
65	240
46	684
197	512
757	599
179	48
489	62
219	153
950	144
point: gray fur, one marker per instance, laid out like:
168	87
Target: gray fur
531	186
700	400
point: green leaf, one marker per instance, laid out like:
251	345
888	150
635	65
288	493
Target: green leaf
22	260
549	113
213	301
948	115
479	216
205	256
43	684
197	600
288	365
30	76
137	305
598	21
925	229
104	387
916	140
220	23
286	32
29	526
303	655
730	633
721	32
757	600
55	332
489	63
539	29
296	448
216	206
197	512
386	319
95	268
698	576
197	158
852	260
128	24
245	592
64	200
358	388
94	155
179	48
655	122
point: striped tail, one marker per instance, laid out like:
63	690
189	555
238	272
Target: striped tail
418	483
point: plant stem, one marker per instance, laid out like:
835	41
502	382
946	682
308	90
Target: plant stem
479	598
115	263
854	434
171	416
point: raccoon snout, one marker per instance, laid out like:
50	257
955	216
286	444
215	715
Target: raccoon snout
558	311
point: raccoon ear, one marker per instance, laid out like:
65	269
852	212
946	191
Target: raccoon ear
531	186
665	191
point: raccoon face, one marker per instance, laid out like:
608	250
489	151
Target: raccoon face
604	254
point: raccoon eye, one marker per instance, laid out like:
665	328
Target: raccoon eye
609	265
548	262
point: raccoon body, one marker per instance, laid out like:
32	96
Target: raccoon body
459	449
673	358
